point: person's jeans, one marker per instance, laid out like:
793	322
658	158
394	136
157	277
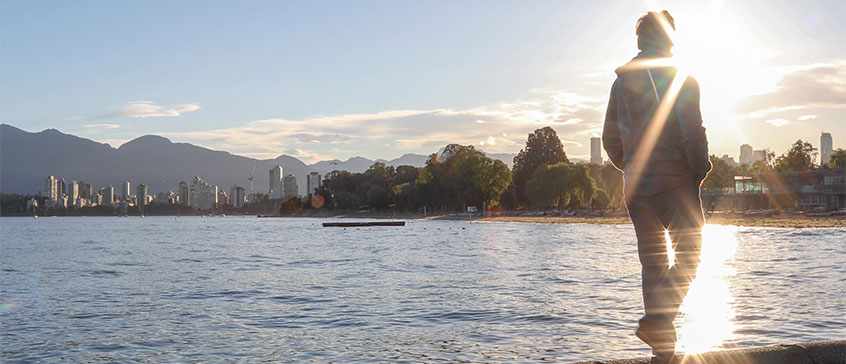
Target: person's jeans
679	212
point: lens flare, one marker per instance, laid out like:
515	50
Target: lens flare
707	316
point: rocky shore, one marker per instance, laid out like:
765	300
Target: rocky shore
823	352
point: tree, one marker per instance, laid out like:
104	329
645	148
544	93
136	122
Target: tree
800	157
611	180
462	176
601	200
560	185
290	206
838	159
542	148
721	175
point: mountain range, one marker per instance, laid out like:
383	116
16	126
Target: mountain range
26	159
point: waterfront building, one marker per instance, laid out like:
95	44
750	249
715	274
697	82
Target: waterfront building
108	195
276	189
125	190
826	148
61	187
759	155
729	160
141	195
236	197
745	154
810	191
203	195
51	191
184	194
290	187
312	182
73	192
258	196
222	197
86	191
596	150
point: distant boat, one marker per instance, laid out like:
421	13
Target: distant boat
364	223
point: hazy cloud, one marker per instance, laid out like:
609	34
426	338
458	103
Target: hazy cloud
102	126
147	109
822	86
499	127
777	122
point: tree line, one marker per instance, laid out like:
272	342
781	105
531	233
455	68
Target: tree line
800	157
460	176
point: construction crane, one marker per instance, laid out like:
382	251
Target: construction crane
252	174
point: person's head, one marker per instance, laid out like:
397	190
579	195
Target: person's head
651	30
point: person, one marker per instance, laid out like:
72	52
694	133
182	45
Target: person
653	133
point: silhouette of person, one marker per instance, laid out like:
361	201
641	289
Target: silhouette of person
653	133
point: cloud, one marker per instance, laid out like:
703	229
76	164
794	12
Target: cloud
502	127
102	126
819	86
147	109
806	117
777	122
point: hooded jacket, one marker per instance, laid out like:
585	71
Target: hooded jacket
680	151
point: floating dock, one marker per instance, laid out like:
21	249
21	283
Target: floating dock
821	352
364	223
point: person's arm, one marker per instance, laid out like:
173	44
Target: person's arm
611	131
694	141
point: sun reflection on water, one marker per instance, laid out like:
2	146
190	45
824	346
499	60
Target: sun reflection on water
707	316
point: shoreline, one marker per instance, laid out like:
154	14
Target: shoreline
828	352
789	222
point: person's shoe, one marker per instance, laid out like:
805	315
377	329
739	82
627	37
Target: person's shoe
661	338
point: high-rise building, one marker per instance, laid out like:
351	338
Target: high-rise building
596	150
312	182
86	191
51	190
73	192
184	194
141	195
61	187
290	186
125	189
276	188
108	195
203	195
759	155
745	154
826	148
236	197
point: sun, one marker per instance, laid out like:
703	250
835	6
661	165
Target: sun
713	45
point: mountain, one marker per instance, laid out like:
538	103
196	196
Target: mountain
26	159
361	164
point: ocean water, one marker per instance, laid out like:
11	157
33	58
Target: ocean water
243	289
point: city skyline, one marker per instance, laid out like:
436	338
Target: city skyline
324	82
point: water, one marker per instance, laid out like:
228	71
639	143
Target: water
242	289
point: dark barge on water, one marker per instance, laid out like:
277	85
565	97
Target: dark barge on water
364	223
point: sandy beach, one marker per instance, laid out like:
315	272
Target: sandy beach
790	222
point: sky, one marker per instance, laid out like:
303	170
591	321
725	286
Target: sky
321	80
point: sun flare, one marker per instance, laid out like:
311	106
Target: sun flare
707	316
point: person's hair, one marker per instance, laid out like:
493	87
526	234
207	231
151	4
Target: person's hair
651	33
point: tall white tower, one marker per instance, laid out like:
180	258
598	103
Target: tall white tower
596	151
276	188
826	148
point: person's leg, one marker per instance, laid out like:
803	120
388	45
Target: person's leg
656	327
685	227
